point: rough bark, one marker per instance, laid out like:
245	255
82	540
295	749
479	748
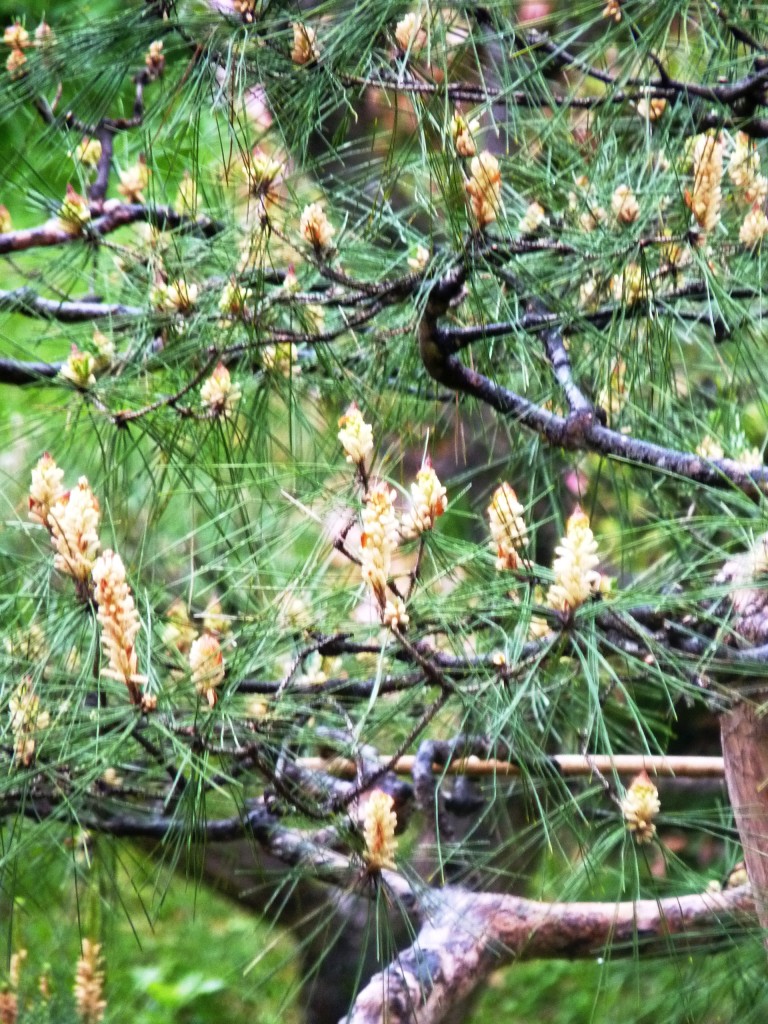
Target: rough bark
469	935
744	732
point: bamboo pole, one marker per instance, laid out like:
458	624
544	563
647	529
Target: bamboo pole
572	765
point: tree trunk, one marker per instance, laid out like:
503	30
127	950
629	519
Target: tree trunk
744	734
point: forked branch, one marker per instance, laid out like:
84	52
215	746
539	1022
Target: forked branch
467	936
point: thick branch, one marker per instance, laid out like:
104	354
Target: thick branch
290	846
468	936
577	433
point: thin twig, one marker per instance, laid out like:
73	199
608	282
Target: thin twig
109	217
26	302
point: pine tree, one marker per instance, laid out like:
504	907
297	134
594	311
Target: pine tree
384	422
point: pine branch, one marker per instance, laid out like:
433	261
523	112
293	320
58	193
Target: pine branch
14	371
470	935
577	433
26	302
742	96
107	217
